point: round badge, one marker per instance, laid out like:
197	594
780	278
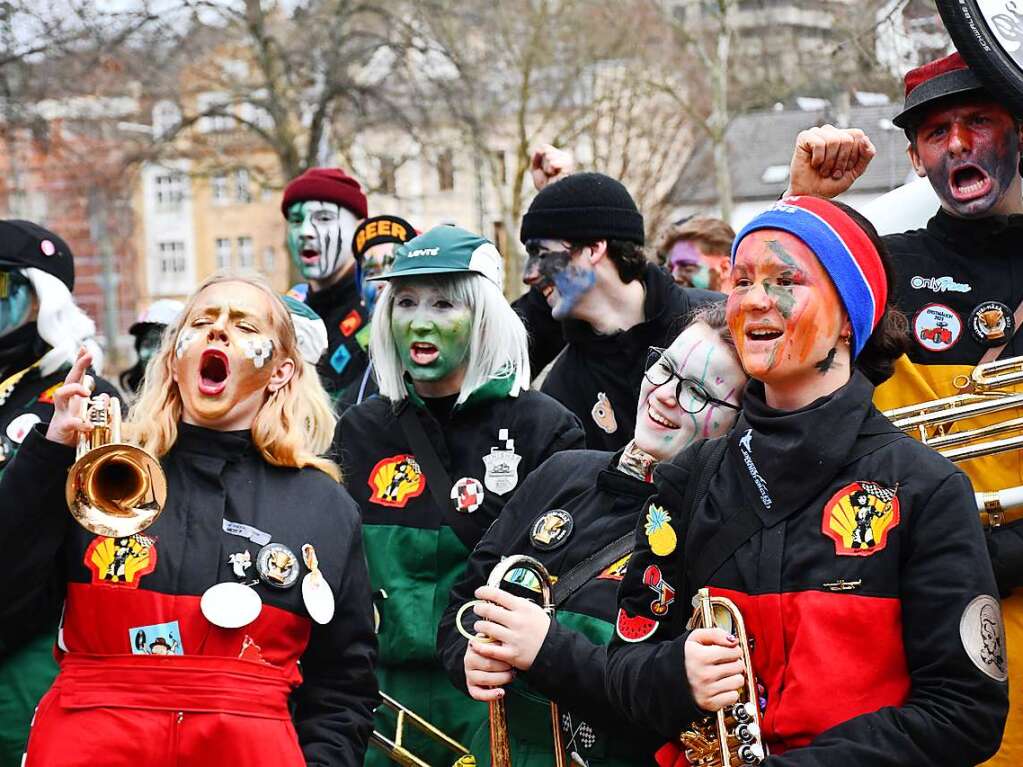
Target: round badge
467	493
937	328
318	598
47	247
277	566
551	530
983	636
230	605
991	323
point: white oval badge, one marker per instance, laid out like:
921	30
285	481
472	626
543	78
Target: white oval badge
19	428
230	605
937	328
318	598
983	636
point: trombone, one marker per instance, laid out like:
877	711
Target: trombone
396	750
500	750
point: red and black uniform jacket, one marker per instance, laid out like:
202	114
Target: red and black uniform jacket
868	594
126	597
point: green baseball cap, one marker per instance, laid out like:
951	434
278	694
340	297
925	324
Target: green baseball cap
446	250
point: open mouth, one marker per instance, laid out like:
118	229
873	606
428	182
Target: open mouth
310	256
214	369
763	334
660	420
424	353
968	182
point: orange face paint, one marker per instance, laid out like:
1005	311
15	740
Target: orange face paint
783	311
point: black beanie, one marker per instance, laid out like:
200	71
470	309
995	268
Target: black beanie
581	208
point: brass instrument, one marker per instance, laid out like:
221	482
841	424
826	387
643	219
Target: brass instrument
982	393
397	752
500	751
113	488
731	736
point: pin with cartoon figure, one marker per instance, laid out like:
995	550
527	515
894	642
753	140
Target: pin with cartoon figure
603	414
277	566
316	593
551	530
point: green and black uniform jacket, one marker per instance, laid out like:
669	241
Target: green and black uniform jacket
604	504
613	365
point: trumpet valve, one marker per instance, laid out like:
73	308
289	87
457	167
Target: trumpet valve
751	753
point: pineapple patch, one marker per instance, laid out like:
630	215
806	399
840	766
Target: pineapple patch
659	532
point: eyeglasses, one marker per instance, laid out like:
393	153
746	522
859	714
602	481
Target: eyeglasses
690	394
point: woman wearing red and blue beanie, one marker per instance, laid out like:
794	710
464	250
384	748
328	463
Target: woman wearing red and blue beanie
853	552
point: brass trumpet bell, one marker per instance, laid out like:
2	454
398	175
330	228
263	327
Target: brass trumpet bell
113	488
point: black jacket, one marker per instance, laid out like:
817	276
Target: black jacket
114	587
603	503
867	591
592	365
945	274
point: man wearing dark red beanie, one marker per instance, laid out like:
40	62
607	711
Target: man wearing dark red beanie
960	283
323	207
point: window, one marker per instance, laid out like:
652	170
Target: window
223	252
446	171
387	173
241	185
268	260
211	101
246	255
218	186
170	190
171	260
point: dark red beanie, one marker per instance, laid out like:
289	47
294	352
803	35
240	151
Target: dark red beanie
328	185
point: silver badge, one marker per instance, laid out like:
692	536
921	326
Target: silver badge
277	566
316	593
502	466
983	636
230	605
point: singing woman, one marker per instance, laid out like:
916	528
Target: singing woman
183	644
570	513
860	568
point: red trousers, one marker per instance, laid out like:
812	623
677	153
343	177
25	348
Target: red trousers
169	711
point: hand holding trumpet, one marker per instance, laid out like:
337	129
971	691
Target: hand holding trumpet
69	400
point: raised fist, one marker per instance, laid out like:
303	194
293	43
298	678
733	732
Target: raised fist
827	160
550	164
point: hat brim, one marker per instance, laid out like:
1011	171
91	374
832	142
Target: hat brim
7	263
422	272
956	83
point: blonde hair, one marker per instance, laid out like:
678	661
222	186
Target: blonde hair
295	425
498	345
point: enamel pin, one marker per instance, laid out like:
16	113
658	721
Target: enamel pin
277	566
316	593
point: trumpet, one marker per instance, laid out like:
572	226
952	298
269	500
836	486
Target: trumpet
397	752
731	737
500	751
113	488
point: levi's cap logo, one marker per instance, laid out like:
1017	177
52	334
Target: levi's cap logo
424	252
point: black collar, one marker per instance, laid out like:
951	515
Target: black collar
343	294
954	229
229	445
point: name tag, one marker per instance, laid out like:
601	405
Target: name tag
246	531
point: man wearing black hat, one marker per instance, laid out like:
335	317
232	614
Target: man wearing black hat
595	295
41	330
959	281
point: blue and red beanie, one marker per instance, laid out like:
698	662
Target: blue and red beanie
844	250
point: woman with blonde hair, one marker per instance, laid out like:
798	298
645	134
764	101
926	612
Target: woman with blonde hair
182	643
433	460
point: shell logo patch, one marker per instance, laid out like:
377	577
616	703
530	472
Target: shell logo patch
396	480
659	532
121	561
350	323
616	570
859	517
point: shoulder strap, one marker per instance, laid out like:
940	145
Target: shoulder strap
570	582
437	478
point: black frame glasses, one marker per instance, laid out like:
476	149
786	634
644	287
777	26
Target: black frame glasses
696	392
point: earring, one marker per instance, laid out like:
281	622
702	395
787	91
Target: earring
846	340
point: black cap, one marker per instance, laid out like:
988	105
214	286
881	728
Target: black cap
583	207
24	244
378	230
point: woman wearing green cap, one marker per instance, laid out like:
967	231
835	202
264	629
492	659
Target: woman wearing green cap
433	459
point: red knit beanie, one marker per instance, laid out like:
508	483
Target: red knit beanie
328	185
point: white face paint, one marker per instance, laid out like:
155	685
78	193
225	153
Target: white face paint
320	238
258	349
185	339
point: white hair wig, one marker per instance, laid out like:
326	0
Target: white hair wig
498	345
61	323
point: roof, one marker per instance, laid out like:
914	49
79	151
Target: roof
760	149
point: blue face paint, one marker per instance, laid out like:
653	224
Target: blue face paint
369	295
15	301
571	281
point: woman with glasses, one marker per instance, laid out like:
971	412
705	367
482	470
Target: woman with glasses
577	510
853	552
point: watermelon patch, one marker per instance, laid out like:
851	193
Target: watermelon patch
634	628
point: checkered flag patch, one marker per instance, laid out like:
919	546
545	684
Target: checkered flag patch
885	494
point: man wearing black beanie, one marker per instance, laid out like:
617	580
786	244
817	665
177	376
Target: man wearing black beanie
595	295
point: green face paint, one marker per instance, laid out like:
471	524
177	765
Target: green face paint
431	331
779	250
783	297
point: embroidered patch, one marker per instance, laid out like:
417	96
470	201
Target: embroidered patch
937	328
362	337
467	493
991	323
983	636
659	532
339	359
396	480
158	639
665	593
616	570
121	561
940	284
47	396
634	628
603	414
19	428
859	517
551	530
351	323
